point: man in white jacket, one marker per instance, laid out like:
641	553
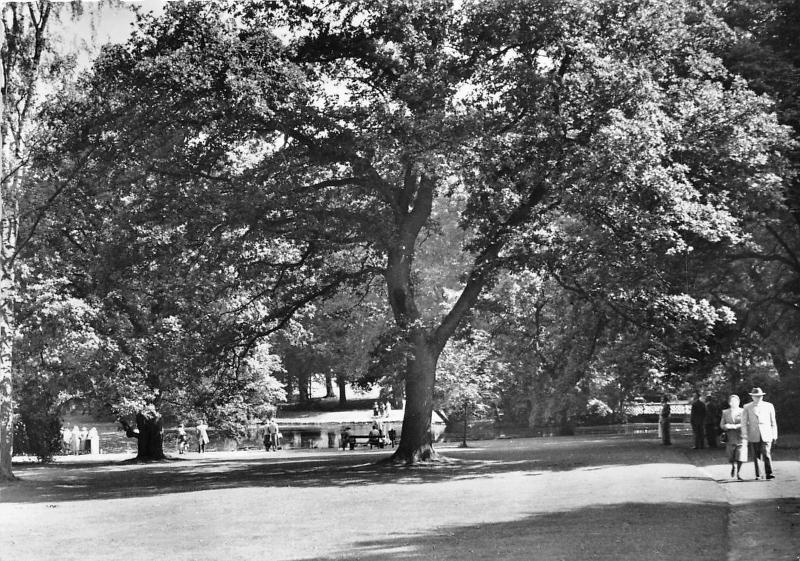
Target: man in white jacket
761	430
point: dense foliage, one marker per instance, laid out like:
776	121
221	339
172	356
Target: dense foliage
532	204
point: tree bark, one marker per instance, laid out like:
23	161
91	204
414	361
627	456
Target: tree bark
329	385
17	99
786	369
289	385
302	385
341	381
149	435
6	287
6	406
466	424
8	244
416	441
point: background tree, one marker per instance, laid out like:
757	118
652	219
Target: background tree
345	329
166	317
467	378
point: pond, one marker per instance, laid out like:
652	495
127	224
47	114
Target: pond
294	435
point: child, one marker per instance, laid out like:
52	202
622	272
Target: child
183	439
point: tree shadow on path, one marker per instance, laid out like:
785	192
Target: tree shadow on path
619	532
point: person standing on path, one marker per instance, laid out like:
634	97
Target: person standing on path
75	442
712	420
736	447
272	435
183	439
346	440
202	435
93	439
761	430
84	435
698	419
663	421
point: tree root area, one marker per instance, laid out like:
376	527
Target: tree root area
421	458
150	460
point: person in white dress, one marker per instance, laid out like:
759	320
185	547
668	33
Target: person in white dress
202	435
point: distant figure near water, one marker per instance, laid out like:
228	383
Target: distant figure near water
698	420
664	421
66	440
183	439
375	436
346	439
93	440
75	442
84	443
271	437
712	420
202	435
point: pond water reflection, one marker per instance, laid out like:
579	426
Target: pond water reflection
294	435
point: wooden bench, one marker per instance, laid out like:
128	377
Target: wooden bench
367	441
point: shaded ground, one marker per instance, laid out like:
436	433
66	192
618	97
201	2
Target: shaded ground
549	499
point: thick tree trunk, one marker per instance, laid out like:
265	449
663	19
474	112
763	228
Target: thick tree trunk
787	369
302	386
289	385
342	383
329	385
149	437
416	441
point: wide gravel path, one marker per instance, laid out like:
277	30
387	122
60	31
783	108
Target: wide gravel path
573	499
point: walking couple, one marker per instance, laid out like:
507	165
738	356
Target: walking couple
750	427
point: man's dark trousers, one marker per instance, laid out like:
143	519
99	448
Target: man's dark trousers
697	429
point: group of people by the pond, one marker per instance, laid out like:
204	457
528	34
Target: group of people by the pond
201	435
272	435
748	431
80	440
382	408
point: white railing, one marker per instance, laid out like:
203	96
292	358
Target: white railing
676	408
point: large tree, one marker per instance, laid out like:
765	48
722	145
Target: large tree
324	136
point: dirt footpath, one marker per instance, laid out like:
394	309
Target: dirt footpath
764	519
532	499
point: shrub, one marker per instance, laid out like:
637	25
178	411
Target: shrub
597	413
37	430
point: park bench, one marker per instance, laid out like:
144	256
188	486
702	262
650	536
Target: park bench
367	441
